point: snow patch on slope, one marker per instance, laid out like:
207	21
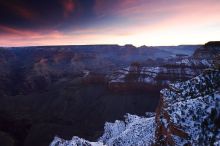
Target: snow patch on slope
76	141
138	131
135	130
193	107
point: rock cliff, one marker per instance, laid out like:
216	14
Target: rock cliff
187	114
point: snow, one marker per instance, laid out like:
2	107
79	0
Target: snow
184	61
190	113
190	104
205	62
198	86
149	75
178	141
112	130
86	73
76	141
135	130
194	62
138	131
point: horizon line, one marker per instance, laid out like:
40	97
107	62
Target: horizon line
104	45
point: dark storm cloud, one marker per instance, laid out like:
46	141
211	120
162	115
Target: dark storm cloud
59	15
44	14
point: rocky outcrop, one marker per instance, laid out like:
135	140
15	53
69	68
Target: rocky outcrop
186	109
76	141
133	131
208	51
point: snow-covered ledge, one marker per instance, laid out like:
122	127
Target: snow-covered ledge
134	130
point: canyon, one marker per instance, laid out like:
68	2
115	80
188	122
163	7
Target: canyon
73	90
187	114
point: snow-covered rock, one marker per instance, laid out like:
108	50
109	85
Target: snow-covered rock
179	68
135	130
195	62
188	112
145	76
76	141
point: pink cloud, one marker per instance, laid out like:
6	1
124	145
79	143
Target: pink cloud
69	7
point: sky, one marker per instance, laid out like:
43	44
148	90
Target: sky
82	22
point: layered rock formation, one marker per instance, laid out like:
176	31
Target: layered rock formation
207	51
188	114
180	67
188	111
137	77
30	69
